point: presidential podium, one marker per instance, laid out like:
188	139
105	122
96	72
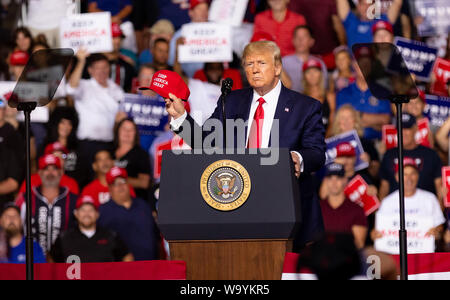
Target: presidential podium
228	216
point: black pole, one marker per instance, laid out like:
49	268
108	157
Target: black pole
402	232
27	108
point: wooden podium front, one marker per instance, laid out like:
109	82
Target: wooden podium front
232	259
248	242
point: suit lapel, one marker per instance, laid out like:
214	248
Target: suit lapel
282	113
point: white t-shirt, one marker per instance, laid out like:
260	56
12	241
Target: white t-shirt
421	204
203	99
47	14
97	108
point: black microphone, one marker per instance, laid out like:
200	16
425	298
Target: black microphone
227	85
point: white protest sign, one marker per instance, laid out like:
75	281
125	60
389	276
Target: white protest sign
6	87
417	228
229	12
205	42
91	31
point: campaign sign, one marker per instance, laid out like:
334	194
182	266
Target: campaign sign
91	31
148	113
229	12
433	16
389	134
437	110
350	137
205	42
417	229
356	191
441	73
446	184
419	58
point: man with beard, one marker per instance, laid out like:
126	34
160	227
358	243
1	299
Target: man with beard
88	241
11	224
52	204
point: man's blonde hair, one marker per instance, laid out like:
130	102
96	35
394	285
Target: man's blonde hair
263	47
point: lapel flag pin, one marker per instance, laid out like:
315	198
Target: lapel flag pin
286	109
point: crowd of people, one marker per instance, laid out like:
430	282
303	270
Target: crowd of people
94	188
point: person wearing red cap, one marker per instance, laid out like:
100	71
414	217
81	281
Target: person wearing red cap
314	85
418	203
130	217
52	204
427	159
263	102
359	26
198	13
303	40
122	71
280	23
91	243
383	32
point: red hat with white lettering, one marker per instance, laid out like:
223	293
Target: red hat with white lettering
165	82
19	58
362	52
312	63
407	162
49	160
345	150
115	173
87	199
194	3
116	31
262	36
54	147
382	25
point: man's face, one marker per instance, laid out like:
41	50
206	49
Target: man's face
278	5
346	121
336	184
302	41
411	177
383	36
100	70
50	176
214	72
415	107
103	163
199	13
119	190
409	136
86	216
11	222
161	53
261	70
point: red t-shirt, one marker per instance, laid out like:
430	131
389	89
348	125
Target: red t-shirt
280	31
100	192
228	73
343	218
66	181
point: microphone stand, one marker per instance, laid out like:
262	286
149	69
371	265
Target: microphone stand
227	85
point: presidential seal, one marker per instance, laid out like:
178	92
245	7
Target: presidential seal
225	185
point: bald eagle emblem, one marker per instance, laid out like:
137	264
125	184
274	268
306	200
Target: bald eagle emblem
225	184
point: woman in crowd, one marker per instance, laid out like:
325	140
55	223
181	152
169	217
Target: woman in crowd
130	156
343	75
62	128
23	40
314	86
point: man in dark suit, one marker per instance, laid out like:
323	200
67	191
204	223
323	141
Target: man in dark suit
300	124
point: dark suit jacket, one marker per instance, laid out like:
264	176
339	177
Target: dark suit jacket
301	130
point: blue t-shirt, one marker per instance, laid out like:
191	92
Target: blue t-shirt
174	11
135	226
18	254
359	31
113	6
365	102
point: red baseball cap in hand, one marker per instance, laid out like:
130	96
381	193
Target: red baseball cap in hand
165	82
